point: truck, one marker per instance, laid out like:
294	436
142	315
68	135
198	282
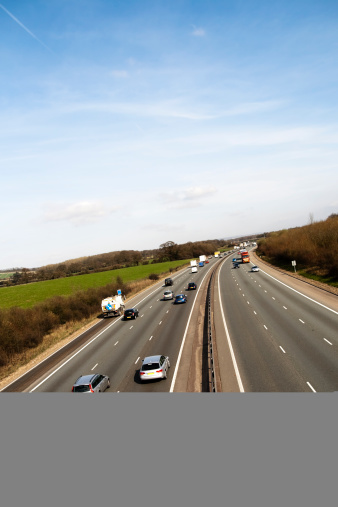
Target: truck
112	306
203	258
216	254
193	263
245	256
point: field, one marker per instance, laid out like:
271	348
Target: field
4	276
26	296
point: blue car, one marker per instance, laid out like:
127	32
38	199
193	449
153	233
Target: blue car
180	298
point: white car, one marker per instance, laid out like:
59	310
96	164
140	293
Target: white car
154	367
168	295
255	268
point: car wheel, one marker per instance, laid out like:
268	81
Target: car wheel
165	374
108	384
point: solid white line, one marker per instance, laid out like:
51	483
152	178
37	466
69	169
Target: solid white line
282	349
74	355
300	293
172	386
234	362
328	341
308	383
94	366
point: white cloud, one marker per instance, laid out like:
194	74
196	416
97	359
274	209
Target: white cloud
79	213
189	198
198	32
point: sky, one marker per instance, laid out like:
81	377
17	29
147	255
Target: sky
125	123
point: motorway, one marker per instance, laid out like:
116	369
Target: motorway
117	347
274	334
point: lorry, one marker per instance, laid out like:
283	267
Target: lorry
112	306
245	256
193	263
216	254
203	258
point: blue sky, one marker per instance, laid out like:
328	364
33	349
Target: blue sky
127	123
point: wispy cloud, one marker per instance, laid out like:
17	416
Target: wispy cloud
80	213
119	73
198	32
24	27
189	198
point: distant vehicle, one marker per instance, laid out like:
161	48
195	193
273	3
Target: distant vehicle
168	281
154	367
194	270
235	265
168	295
193	263
245	256
180	298
91	384
201	264
202	258
192	286
131	313
255	268
112	306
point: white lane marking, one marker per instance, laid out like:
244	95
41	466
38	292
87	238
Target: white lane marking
265	291
142	315
160	323
282	349
248	302
167	311
94	366
137	360
150	306
273	298
255	312
234	362
302	321
308	383
172	386
265	326
150	338
131	327
300	293
284	307
74	355
327	341
115	343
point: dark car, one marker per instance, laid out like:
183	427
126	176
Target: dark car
131	313
180	298
236	265
192	286
91	384
168	281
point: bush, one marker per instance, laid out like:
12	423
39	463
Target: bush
153	276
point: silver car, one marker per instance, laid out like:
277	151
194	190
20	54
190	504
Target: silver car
91	384
168	294
255	268
154	367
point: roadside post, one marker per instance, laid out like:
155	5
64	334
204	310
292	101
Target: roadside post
294	265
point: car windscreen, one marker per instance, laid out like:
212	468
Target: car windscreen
81	389
151	366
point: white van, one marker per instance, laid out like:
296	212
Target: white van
194	269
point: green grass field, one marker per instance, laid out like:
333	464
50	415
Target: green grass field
26	296
4	276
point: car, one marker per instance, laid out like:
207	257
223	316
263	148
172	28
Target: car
180	298
206	262
154	367
168	281
130	313
236	265
192	286
168	294
255	268
94	383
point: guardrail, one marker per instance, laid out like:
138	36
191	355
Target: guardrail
211	361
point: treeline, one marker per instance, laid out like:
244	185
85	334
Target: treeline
313	247
114	260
